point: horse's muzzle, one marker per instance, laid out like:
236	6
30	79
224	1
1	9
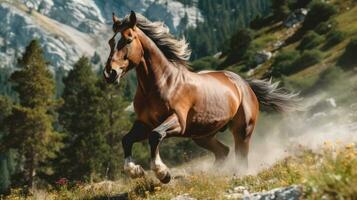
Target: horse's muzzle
113	75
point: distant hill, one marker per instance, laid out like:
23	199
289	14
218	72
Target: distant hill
70	29
301	53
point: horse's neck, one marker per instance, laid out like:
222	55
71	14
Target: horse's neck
155	71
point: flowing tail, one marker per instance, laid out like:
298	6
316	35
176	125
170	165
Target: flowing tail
271	96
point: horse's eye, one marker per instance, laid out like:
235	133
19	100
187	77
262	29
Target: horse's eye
129	40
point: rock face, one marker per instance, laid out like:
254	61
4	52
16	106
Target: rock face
262	56
72	28
296	17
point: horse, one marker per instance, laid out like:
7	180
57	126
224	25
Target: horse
173	101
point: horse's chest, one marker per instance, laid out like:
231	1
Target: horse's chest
151	112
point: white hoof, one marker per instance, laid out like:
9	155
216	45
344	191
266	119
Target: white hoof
162	172
133	170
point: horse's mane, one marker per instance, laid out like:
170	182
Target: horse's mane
176	51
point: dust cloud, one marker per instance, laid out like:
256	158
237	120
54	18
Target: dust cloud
278	136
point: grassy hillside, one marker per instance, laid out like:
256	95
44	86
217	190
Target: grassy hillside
343	23
317	60
328	173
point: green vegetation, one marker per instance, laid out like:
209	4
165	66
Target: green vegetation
319	12
205	63
80	122
280	9
310	41
291	62
91	117
222	18
5	163
283	62
29	126
239	44
325	27
331	172
333	38
348	58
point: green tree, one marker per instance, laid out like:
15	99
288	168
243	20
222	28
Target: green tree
280	9
30	124
348	59
34	82
5	111
86	150
240	43
319	12
117	122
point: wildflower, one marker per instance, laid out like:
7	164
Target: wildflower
62	182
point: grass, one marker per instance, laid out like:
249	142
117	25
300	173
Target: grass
330	173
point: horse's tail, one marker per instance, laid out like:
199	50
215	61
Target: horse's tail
270	95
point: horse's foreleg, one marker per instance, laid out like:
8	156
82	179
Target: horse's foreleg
137	133
170	126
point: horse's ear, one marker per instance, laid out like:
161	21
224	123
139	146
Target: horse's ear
132	19
116	23
115	19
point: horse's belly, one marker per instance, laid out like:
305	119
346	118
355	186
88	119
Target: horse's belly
207	123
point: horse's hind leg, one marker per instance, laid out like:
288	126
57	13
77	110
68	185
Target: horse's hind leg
211	143
242	129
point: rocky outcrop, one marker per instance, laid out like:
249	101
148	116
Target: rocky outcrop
72	28
262	56
295	17
183	197
19	28
293	192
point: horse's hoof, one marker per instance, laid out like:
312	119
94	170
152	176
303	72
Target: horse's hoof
135	171
166	179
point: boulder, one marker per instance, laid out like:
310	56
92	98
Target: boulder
293	192
262	56
183	197
295	17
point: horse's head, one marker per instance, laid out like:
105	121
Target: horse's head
127	53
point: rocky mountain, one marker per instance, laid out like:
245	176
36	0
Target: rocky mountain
72	28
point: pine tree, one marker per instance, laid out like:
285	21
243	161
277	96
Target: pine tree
34	82
117	123
280	9
30	124
86	148
5	111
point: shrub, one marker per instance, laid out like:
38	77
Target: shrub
330	76
319	12
310	41
308	58
280	9
290	62
299	4
283	62
349	58
239	44
333	38
325	27
205	63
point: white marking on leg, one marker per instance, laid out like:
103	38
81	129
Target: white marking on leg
159	167
132	169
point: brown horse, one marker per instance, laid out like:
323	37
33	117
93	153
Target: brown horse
173	101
